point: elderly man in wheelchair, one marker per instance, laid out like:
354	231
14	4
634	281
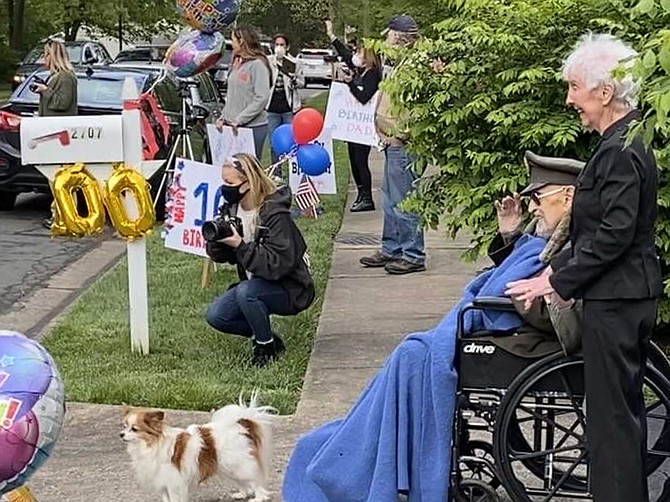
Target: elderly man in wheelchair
490	397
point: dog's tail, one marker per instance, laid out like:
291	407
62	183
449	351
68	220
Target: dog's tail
256	421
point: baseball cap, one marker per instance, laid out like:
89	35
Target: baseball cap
403	24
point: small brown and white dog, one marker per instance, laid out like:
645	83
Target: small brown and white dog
236	445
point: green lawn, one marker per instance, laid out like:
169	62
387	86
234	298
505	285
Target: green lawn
191	366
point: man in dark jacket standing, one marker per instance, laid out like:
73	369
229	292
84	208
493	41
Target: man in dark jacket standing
613	267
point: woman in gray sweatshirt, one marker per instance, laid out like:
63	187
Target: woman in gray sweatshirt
249	84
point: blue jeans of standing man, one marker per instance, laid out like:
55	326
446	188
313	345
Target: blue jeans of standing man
245	309
274	121
402	237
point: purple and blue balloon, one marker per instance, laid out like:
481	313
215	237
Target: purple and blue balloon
32	408
194	52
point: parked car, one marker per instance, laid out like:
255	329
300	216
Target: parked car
202	98
99	93
80	52
142	53
219	71
315	66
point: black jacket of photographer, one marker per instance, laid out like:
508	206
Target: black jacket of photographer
276	253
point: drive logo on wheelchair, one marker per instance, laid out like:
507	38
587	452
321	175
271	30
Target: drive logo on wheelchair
475	348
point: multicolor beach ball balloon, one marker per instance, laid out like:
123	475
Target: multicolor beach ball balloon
194	52
32	408
208	15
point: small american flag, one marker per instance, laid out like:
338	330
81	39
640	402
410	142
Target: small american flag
307	197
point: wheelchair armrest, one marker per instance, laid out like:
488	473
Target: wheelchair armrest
493	303
500	303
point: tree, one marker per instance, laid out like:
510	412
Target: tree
653	71
500	94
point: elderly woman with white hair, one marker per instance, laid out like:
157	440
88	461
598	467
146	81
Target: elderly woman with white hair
612	266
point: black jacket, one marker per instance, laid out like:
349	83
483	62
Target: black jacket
365	82
612	228
277	253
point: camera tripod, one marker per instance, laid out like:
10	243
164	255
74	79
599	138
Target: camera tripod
182	139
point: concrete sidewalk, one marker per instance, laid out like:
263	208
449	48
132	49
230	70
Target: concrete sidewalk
366	313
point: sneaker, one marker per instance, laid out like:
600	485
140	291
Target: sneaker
377	260
400	267
47	222
278	343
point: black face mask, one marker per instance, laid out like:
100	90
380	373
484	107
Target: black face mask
232	193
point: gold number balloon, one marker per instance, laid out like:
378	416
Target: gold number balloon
67	182
124	180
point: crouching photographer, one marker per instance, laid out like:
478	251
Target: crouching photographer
255	231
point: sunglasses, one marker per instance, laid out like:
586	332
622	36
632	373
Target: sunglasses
537	197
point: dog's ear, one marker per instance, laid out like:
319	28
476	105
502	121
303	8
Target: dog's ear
155	416
125	409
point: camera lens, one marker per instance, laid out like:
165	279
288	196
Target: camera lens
216	230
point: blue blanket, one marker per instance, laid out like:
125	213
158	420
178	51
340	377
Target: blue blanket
397	436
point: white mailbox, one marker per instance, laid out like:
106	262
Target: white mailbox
67	140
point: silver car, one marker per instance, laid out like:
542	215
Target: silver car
316	67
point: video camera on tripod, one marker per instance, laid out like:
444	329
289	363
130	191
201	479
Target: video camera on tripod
221	226
191	112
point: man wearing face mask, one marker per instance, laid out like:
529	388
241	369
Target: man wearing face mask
287	78
402	250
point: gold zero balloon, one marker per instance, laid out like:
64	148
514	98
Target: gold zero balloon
67	182
125	180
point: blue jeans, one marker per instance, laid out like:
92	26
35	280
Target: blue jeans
274	121
401	235
260	133
245	309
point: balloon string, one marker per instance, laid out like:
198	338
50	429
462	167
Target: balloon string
161	76
270	170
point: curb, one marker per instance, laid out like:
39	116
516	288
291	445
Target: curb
37	314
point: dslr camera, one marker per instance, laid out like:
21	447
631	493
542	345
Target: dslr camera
221	226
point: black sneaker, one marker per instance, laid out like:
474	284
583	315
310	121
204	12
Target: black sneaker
47	222
400	267
377	260
265	353
278	343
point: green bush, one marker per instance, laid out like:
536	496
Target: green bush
501	94
653	69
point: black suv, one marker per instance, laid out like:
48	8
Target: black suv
80	52
99	93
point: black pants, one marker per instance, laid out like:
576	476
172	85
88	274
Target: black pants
358	158
615	337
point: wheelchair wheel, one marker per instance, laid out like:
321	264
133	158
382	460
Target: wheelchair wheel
539	438
480	469
472	490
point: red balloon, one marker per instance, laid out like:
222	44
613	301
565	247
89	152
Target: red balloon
307	125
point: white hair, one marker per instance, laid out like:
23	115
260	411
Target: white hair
595	57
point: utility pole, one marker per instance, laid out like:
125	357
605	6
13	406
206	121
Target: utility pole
120	32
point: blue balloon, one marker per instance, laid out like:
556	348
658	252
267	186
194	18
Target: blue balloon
282	140
313	160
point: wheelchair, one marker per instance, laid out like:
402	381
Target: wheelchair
519	423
